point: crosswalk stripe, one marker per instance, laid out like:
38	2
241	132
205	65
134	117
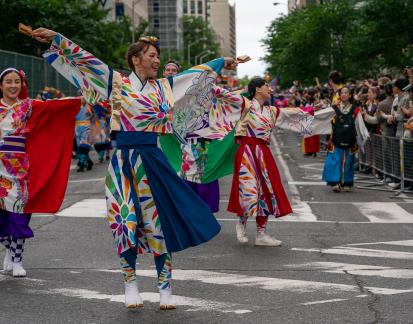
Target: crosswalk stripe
266	283
86	208
356	269
374	212
379	212
372	253
196	304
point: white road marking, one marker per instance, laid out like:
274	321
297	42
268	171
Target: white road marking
86	208
400	243
302	211
307	183
266	283
323	301
313	166
195	304
389	212
86	180
356	269
371	253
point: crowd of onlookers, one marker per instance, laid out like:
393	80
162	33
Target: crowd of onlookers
386	102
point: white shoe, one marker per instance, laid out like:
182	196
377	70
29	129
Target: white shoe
266	240
346	189
336	188
132	297
7	263
241	230
18	270
166	299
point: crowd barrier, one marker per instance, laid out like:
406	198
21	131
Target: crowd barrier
38	73
391	158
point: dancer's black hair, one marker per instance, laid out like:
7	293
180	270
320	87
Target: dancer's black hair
253	85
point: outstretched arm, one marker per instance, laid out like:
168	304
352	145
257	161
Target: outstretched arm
82	69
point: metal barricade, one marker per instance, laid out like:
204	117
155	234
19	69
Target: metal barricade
392	158
38	73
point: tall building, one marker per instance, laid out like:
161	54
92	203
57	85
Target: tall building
165	21
221	17
134	9
197	8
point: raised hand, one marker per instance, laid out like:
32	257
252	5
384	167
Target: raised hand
43	35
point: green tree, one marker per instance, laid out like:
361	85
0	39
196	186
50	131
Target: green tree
83	22
359	38
201	37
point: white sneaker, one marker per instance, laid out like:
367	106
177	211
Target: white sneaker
132	297
166	299
7	263
346	189
18	270
266	240
336	188
241	230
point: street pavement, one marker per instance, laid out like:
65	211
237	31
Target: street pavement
345	258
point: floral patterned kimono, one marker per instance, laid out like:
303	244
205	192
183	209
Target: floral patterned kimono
201	161
256	187
149	207
29	131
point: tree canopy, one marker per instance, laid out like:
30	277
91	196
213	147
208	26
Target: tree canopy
83	22
359	38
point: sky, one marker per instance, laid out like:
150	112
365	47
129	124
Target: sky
252	19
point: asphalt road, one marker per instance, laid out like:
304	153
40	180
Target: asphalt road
345	258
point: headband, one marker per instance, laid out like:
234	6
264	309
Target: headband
9	70
23	92
172	63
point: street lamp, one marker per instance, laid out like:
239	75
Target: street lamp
189	48
202	56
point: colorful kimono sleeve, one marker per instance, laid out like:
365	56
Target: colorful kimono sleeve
322	121
294	119
82	69
362	132
193	96
51	128
224	113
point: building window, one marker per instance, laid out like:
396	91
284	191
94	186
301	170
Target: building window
156	23
200	8
156	6
185	7
192	7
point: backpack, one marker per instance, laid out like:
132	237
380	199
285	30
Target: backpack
344	128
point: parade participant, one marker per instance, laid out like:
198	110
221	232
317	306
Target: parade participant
101	129
171	68
83	132
150	209
29	183
335	81
257	190
311	145
193	153
348	133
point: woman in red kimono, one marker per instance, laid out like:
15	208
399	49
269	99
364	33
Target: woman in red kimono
29	130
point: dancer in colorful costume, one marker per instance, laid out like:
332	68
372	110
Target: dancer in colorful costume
29	131
348	134
189	158
257	190
101	129
150	209
83	133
